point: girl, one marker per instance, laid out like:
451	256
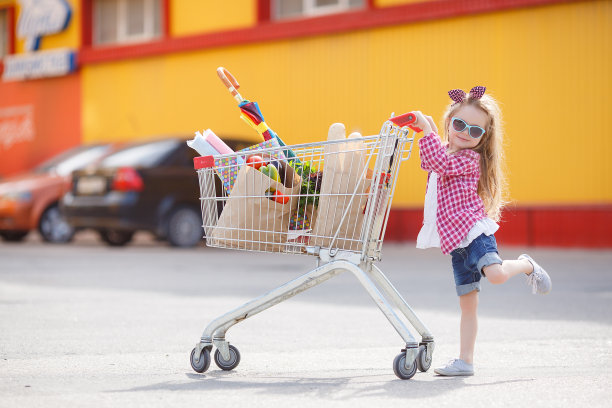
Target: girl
463	203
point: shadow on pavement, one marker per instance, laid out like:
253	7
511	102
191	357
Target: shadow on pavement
341	388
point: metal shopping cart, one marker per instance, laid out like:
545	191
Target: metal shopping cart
330	200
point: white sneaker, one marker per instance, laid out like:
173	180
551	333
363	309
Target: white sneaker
455	367
538	279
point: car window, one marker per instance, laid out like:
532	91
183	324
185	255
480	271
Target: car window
74	159
141	155
182	157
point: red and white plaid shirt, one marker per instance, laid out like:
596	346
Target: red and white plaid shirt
459	205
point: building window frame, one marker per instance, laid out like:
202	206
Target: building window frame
152	24
4	30
8	31
310	8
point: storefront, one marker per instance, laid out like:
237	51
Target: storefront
144	68
40	91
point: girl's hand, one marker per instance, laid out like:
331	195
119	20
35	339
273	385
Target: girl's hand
425	122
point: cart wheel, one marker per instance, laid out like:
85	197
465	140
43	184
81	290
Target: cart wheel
204	362
230	364
400	370
422	363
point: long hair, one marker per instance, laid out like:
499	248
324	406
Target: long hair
492	183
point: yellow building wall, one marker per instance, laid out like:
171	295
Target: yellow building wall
548	66
201	16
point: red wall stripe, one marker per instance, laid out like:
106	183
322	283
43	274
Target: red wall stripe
587	226
280	30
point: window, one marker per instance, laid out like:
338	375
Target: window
126	21
148	154
4	33
309	8
73	159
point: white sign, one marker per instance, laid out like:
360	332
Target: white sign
41	17
16	125
39	64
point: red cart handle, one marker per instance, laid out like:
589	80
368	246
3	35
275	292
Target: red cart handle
230	82
406	120
203	162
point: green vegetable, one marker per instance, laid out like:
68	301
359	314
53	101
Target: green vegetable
311	184
273	172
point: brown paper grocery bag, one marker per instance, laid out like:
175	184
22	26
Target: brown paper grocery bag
252	221
344	173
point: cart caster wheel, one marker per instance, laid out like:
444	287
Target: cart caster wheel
230	364
422	363
203	363
400	370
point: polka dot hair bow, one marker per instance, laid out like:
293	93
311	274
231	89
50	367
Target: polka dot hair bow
458	96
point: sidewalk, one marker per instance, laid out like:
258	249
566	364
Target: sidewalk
86	325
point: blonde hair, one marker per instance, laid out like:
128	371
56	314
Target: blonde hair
492	183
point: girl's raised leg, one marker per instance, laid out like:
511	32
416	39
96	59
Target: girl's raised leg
497	274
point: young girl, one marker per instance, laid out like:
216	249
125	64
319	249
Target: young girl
463	203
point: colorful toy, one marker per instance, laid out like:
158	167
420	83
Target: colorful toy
249	111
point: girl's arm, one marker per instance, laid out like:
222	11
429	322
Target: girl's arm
434	158
433	154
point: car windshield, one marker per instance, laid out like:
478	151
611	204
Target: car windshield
140	155
73	159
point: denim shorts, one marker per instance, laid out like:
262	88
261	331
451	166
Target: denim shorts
469	261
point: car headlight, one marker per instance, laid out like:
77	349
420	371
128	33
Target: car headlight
20	196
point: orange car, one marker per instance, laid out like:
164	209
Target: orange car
30	201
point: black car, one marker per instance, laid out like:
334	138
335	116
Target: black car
145	186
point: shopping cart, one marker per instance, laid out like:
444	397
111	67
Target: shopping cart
333	204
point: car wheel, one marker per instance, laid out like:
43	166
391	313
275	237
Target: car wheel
116	237
53	226
13	236
185	227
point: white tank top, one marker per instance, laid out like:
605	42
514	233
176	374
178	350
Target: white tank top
428	236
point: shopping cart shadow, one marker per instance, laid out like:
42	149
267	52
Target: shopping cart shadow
339	387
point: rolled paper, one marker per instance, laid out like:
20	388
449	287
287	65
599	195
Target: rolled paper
209	144
200	145
216	143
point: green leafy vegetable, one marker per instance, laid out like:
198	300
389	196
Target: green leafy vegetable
311	184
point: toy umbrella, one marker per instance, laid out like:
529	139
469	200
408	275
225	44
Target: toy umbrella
249	111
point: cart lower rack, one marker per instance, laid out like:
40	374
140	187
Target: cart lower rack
330	200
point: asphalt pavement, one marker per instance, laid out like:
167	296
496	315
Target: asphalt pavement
86	325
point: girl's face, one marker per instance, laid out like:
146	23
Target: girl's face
473	116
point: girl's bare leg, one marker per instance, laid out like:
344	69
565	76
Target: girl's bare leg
497	274
469	325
